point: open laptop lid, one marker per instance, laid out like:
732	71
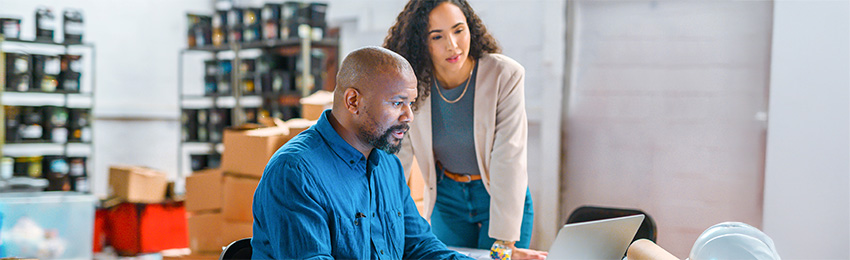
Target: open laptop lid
598	239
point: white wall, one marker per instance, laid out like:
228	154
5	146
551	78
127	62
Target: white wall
807	177
665	112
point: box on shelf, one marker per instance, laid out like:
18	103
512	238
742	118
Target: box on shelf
238	194
204	190
246	151
208	233
47	225
137	184
136	228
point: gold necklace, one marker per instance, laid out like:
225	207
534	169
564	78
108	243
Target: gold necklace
464	88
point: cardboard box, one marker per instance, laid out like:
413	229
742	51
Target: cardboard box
135	228
238	198
208	233
312	106
247	152
298	125
203	190
137	184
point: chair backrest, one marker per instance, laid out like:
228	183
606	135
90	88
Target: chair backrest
239	249
587	213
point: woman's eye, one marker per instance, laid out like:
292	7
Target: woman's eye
436	37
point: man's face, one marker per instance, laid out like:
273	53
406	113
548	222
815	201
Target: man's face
387	111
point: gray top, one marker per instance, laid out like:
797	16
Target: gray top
451	126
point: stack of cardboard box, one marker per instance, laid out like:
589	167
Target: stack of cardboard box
219	200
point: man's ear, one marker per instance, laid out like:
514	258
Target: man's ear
351	100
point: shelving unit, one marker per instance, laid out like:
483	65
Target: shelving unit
236	100
82	99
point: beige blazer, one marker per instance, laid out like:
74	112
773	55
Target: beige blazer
500	132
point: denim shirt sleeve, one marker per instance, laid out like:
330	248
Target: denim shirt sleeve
289	220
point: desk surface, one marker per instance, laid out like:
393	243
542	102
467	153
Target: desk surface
476	253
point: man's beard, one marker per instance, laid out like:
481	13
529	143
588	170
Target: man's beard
382	142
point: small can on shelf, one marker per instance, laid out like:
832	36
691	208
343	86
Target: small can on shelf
10	28
45	24
73	26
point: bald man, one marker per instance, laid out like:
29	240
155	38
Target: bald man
336	190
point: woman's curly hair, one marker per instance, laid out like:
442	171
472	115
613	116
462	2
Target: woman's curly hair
409	35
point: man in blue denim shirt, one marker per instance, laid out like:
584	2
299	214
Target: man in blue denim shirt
336	190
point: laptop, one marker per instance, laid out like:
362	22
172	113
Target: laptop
598	239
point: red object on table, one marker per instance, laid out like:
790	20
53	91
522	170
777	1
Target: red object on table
135	228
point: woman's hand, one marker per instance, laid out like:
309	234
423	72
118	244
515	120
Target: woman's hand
522	253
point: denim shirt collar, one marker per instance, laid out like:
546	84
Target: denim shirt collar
340	147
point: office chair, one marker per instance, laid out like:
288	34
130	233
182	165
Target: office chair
239	249
588	213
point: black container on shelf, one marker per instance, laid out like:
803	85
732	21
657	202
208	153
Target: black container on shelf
55	169
29	166
211	69
219	28
234	25
10	28
317	20
225	67
70	72
73	26
45	72
219	118
203	122
45	24
55	124
189	119
80	184
292	14
12	121
277	82
78	174
270	16
251	25
79	125
210	85
32	124
214	160
200	30
18	71
77	166
198	161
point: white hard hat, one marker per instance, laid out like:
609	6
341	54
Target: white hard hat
733	240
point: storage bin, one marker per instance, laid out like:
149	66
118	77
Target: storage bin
47	225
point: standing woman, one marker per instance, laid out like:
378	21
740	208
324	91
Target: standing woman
470	132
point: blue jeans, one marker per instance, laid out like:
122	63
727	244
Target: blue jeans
461	216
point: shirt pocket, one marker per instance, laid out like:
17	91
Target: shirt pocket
395	230
349	238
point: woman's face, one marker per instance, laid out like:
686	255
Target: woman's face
448	39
